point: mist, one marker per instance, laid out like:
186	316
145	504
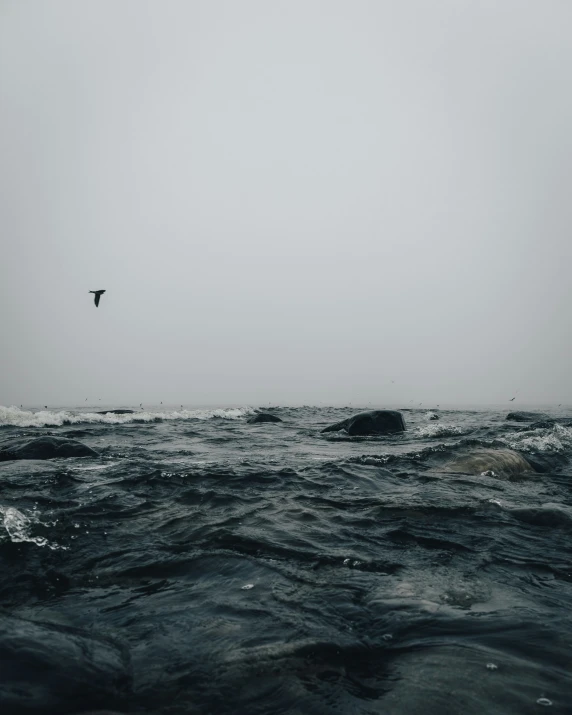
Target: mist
287	202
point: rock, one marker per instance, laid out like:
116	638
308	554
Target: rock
549	515
263	417
115	412
44	448
526	416
432	416
498	462
543	424
49	668
546	462
369	423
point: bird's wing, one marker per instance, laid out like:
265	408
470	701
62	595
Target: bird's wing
96	299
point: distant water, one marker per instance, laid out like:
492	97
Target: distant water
201	564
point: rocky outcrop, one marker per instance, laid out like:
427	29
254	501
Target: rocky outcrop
526	416
370	423
115	412
44	448
263	417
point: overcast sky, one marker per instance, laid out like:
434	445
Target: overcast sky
287	201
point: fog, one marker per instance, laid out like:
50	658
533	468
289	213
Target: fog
294	202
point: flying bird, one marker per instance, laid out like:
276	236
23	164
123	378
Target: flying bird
98	294
511	399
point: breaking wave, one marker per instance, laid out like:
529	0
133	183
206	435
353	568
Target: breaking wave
557	440
16	417
440	430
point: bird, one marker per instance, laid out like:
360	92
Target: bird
511	399
98	294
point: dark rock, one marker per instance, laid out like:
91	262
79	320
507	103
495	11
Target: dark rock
263	417
526	416
543	424
50	668
550	515
115	412
546	462
44	448
433	416
370	423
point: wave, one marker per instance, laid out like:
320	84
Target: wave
16	417
441	430
555	440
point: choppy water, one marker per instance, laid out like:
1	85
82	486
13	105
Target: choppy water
202	564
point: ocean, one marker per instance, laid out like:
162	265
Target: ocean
198	563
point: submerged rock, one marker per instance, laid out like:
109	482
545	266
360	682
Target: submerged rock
550	515
44	448
526	416
543	424
58	669
263	417
491	462
115	412
370	423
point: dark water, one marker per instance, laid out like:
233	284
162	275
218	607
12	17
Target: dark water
203	565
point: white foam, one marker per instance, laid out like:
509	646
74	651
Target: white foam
440	430
557	439
18	526
16	417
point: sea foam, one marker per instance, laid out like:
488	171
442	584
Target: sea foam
18	527
440	430
16	417
556	440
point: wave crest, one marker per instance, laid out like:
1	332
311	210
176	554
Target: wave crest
16	417
440	430
555	440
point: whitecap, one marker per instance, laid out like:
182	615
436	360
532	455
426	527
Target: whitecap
16	417
440	430
556	440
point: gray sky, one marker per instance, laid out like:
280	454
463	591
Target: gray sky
289	201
